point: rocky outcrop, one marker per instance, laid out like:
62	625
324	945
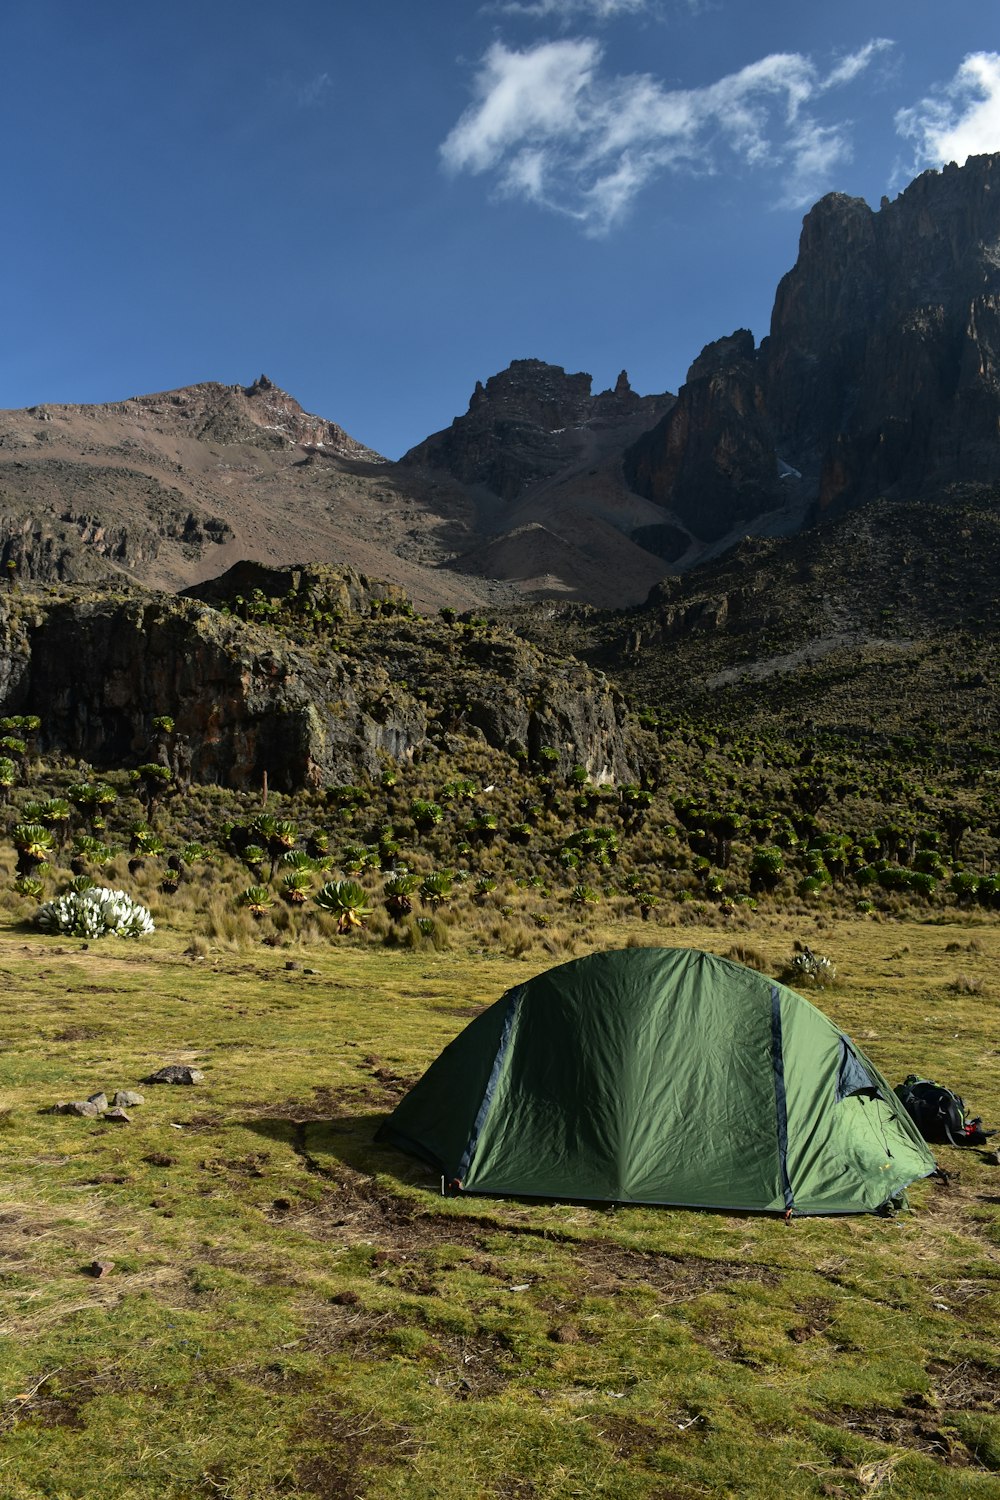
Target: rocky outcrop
880	375
711	460
80	545
259	415
526	424
328	678
339	592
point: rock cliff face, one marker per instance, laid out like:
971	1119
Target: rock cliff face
881	373
525	424
329	677
712	457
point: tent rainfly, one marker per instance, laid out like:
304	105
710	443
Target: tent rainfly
661	1076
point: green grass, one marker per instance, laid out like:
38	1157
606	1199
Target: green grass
293	1311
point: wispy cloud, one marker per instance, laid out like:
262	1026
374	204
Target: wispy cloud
314	91
302	93
603	10
553	129
960	119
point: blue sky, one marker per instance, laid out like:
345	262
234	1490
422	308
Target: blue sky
378	203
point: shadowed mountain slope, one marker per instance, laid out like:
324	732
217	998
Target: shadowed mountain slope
880	375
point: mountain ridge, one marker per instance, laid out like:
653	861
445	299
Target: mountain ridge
879	377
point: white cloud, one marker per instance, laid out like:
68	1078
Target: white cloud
557	132
960	119
854	63
523	96
814	151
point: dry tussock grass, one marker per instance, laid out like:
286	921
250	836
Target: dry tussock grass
752	958
966	984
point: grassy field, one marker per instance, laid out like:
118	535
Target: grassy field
288	1310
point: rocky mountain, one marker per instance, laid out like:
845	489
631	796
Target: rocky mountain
532	422
169	489
880	375
540	457
880	378
312	676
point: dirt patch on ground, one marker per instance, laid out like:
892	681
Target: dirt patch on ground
815	1315
632	1440
907	1429
341	1443
968	1386
358	1208
60	1400
608	1269
965	1297
466	1366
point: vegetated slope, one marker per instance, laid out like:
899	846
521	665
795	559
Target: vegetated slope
884	621
306	675
330	695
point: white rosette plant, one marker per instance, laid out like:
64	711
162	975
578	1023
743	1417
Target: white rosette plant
95	913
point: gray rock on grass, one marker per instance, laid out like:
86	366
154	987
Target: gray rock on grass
175	1073
97	1105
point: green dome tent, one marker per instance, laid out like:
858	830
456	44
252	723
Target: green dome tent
662	1076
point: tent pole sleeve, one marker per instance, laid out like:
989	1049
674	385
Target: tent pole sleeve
484	1108
780	1100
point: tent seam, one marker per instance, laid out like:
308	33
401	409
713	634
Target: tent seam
484	1108
780	1096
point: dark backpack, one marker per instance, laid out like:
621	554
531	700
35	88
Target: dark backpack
939	1113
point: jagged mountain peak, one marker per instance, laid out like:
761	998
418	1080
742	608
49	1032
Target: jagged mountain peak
880	375
259	414
530	421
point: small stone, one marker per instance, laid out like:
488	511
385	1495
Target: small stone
127	1098
84	1107
175	1073
100	1267
310	971
99	1101
117	1116
292	963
